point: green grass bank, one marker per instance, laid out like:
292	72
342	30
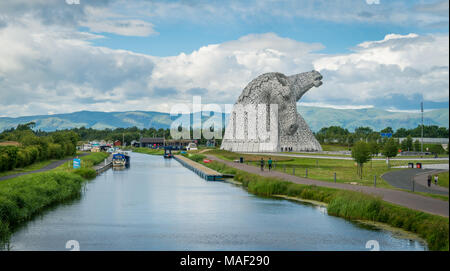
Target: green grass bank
442	179
148	151
347	204
23	197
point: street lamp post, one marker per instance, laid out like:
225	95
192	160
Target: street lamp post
421	144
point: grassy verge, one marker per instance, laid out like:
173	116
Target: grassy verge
23	197
436	196
148	151
442	179
87	161
347	204
334	147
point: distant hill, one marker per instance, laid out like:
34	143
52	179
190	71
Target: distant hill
377	119
316	117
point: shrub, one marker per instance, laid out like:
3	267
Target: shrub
86	173
94	158
28	195
55	151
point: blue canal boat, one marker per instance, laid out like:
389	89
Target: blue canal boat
121	159
168	152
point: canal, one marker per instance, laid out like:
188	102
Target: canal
158	204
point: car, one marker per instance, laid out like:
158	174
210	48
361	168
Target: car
191	147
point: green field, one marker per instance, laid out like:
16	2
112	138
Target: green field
332	147
323	169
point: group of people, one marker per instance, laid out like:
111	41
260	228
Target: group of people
286	149
269	162
436	178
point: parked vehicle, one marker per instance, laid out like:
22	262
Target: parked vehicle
191	147
168	152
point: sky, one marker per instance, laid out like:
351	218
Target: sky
61	56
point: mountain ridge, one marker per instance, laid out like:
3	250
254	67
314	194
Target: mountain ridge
316	117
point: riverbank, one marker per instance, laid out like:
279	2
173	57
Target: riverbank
347	204
23	197
148	151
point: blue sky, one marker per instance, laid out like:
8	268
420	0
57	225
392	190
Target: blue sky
149	55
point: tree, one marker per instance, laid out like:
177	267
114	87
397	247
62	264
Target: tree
363	132
390	149
436	149
374	149
387	130
403	145
361	154
409	143
417	145
350	140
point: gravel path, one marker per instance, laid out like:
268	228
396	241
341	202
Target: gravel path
406	199
46	168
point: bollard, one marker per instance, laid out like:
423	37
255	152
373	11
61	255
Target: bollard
306	173
335	177
413	184
375	180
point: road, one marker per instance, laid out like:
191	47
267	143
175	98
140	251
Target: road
46	168
402	198
404	179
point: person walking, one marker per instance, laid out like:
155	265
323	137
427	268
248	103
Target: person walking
262	164
270	163
429	180
436	179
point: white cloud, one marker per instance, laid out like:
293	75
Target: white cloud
397	65
100	20
50	68
56	69
224	69
136	28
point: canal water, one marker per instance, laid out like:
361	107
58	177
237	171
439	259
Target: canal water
157	204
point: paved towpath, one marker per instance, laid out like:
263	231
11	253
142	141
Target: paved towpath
404	179
46	168
406	199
